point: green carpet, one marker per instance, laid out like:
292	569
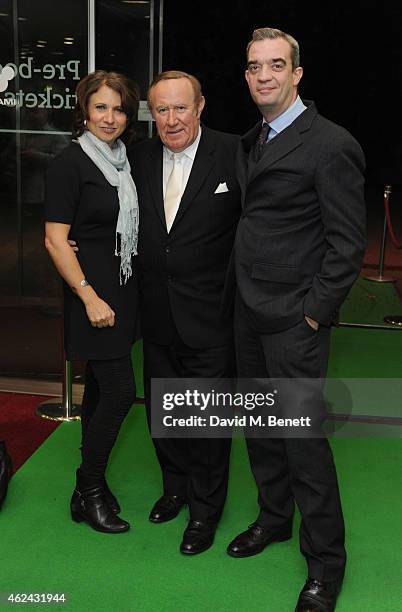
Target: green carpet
369	354
142	571
44	551
369	302
365	353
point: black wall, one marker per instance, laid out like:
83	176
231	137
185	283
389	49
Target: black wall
351	53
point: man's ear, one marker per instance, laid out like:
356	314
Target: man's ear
297	75
200	107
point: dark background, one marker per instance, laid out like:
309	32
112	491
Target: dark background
351	53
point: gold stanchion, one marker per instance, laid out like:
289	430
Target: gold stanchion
62	409
380	278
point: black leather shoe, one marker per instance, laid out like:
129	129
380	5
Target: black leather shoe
6	469
255	539
318	596
93	508
197	537
166	508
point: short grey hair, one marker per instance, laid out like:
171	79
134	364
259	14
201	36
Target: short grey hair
272	33
176	74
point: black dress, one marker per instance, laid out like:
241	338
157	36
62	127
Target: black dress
78	194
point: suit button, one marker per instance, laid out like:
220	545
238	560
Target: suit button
167	250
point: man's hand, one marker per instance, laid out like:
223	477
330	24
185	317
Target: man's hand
313	324
73	245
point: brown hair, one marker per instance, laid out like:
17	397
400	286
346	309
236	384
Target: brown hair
272	33
90	84
176	74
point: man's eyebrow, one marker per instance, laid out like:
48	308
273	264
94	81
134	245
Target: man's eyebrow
274	60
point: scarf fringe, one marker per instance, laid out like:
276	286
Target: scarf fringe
114	165
126	249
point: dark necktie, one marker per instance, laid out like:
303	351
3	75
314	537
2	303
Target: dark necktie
261	141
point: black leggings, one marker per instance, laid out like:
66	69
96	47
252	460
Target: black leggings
108	395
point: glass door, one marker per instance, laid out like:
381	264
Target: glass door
45	48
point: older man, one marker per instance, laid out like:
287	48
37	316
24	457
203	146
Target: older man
190	205
298	250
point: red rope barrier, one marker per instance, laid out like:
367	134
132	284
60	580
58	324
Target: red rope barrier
394	239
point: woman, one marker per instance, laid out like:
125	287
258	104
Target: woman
91	198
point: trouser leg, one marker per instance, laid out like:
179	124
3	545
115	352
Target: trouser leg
90	400
300	469
196	468
268	460
171	453
115	382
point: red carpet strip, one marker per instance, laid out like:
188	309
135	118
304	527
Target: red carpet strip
21	429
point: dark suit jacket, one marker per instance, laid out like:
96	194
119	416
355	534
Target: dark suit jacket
182	273
301	237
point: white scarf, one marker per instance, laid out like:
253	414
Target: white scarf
115	167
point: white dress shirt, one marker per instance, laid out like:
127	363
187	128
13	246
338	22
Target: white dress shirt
187	159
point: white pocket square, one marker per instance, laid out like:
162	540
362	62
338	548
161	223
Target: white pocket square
221	188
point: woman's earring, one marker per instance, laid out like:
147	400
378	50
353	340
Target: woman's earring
85	123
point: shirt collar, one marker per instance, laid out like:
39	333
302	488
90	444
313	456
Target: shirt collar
288	116
190	151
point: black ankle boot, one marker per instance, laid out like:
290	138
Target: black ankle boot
110	498
93	508
89	503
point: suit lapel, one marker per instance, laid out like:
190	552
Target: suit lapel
202	166
280	146
275	149
155	178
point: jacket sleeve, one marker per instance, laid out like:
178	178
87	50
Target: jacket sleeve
339	184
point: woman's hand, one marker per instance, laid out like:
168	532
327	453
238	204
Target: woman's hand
62	252
99	312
